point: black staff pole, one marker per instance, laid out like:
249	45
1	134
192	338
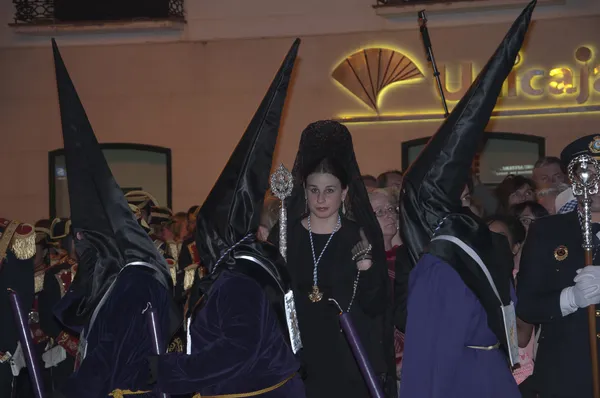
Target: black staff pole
431	58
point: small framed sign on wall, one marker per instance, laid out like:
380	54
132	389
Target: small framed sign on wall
136	167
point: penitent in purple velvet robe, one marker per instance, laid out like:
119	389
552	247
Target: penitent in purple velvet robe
119	342
237	347
444	317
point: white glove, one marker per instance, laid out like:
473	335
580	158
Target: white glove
586	291
588	277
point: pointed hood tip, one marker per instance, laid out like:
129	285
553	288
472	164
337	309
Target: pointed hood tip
97	203
435	180
233	206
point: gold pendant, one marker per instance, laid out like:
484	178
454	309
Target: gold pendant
316	295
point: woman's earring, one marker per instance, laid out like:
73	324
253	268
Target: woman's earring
305	204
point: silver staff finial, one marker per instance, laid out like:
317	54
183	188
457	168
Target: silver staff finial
584	173
282	183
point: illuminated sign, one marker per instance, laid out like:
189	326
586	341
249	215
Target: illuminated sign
519	169
566	89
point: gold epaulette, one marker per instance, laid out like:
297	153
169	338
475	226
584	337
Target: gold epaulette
20	238
188	279
23	242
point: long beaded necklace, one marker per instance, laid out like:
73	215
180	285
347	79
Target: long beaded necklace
315	296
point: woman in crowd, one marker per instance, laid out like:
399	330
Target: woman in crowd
512	190
384	202
515	231
335	251
528	212
179	226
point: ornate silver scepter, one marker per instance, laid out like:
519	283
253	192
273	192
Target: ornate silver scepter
584	173
282	183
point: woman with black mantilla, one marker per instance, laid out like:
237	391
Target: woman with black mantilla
331	256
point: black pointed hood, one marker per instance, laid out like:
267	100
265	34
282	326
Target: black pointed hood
98	207
434	182
233	207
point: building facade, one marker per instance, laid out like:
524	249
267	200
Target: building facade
193	87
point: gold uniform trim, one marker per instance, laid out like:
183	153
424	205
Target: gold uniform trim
122	393
21	244
66	231
173	272
6	237
247	394
188	278
561	253
39	281
24	245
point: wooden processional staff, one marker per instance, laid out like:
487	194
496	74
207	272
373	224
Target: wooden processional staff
584	173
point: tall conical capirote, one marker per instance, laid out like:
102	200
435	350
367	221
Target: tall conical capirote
98	205
434	182
232	209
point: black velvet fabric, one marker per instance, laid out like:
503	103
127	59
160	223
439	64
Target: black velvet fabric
120	341
430	198
237	346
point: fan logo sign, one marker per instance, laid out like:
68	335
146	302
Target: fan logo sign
571	89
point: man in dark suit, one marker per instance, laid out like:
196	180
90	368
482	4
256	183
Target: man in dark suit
554	292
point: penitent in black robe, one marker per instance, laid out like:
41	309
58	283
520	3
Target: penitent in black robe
237	347
119	342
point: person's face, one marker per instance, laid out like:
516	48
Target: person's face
167	234
526	218
523	194
502	229
548	176
465	197
181	228
324	194
263	233
393	180
386	215
191	223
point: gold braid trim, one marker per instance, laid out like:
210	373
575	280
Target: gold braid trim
247	394
39	281
188	278
24	245
118	393
6	237
174	249
175	346
173	272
